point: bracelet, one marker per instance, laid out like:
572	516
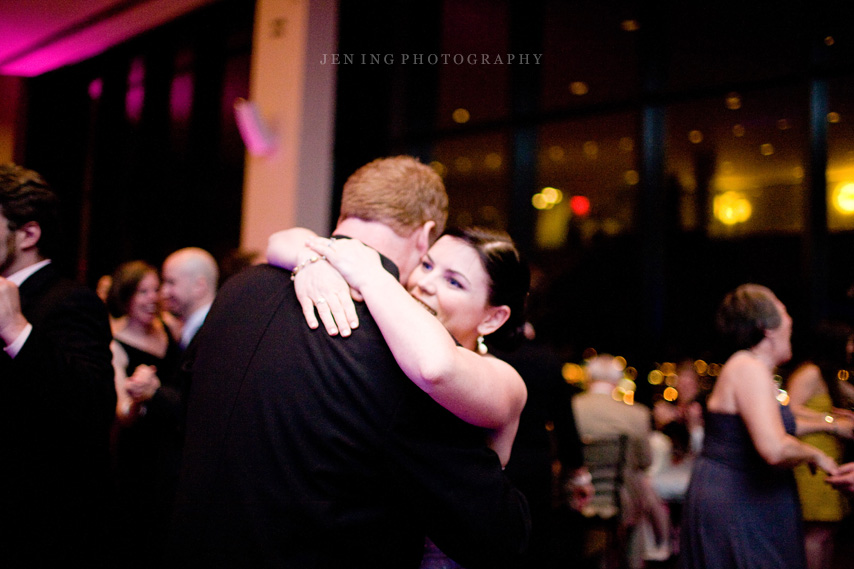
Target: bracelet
304	264
830	421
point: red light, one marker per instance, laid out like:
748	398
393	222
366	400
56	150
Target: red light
580	205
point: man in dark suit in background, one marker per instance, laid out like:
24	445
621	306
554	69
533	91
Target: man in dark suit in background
305	450
58	391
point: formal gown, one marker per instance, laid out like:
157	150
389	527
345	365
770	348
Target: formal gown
740	512
146	458
819	501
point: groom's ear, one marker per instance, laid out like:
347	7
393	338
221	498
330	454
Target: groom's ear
424	237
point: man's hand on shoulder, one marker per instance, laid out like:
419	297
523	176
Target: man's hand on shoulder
12	321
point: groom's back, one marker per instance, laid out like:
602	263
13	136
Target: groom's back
284	462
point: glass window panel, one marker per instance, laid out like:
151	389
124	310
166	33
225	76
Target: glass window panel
589	54
840	155
592	162
739	161
476	170
473	93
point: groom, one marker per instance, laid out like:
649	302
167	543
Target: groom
305	450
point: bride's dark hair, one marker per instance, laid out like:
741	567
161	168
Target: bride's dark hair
509	279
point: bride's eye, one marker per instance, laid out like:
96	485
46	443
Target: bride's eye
454	282
426	265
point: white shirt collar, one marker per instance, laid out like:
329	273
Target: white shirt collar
19	277
192	324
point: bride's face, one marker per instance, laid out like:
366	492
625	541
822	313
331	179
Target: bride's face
452	282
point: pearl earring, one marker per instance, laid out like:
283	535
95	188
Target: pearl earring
481	346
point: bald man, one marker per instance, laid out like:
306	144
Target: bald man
189	286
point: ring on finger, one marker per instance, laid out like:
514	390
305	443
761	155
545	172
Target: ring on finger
320	301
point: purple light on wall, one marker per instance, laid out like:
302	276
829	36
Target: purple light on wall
135	96
181	97
96	87
38	36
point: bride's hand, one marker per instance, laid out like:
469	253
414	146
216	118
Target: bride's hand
356	262
319	286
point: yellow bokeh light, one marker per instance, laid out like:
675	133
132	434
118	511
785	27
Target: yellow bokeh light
833	117
733	101
552	195
556	153
590	149
493	161
630	25
732	207
631	177
540	202
572	373
578	88
700	366
843	375
463	164
439	168
629	398
461	116
843	198
738	130
695	136
670	394
655	377
766	149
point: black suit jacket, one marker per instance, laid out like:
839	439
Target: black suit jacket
304	450
55	413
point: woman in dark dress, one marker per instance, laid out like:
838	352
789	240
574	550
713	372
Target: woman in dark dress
742	507
146	437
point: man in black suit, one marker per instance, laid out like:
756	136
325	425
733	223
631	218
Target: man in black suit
58	391
305	450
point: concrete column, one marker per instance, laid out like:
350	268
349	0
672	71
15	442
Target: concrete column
295	95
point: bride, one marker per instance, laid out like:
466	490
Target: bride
473	284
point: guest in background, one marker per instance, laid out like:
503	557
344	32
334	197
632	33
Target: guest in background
677	438
742	508
598	414
147	430
190	278
821	405
58	396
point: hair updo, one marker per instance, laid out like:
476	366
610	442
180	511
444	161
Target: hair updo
509	279
745	314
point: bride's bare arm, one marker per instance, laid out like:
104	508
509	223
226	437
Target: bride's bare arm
317	281
481	390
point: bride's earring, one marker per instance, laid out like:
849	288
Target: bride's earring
481	346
